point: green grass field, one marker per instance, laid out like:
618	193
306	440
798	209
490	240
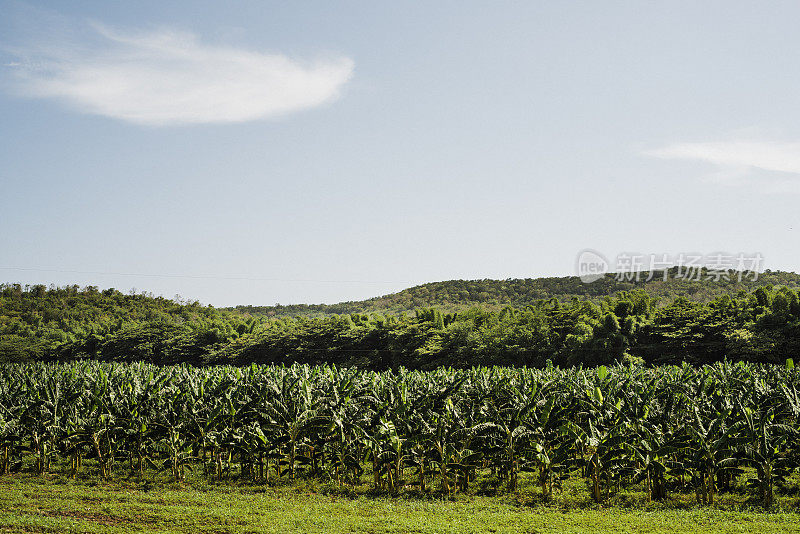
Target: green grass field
55	504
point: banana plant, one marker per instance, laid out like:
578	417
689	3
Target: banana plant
710	451
762	441
292	415
549	452
349	408
507	429
12	407
599	434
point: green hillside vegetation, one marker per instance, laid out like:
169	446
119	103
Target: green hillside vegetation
38	323
456	295
761	325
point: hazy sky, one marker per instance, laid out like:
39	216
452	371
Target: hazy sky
258	152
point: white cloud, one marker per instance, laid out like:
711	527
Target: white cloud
781	157
775	166
167	77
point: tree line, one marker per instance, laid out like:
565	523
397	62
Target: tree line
762	325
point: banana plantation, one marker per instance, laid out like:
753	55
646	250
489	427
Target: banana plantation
666	429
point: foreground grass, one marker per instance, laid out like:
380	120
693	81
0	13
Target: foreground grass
34	504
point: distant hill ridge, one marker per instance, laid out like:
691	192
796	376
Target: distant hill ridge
455	295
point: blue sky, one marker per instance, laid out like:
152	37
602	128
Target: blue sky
264	152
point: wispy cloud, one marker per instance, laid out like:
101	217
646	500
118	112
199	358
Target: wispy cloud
782	157
167	77
775	165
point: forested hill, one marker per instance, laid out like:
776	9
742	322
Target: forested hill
643	323
38	322
455	295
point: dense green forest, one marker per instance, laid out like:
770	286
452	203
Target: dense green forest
39	323
762	324
456	295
